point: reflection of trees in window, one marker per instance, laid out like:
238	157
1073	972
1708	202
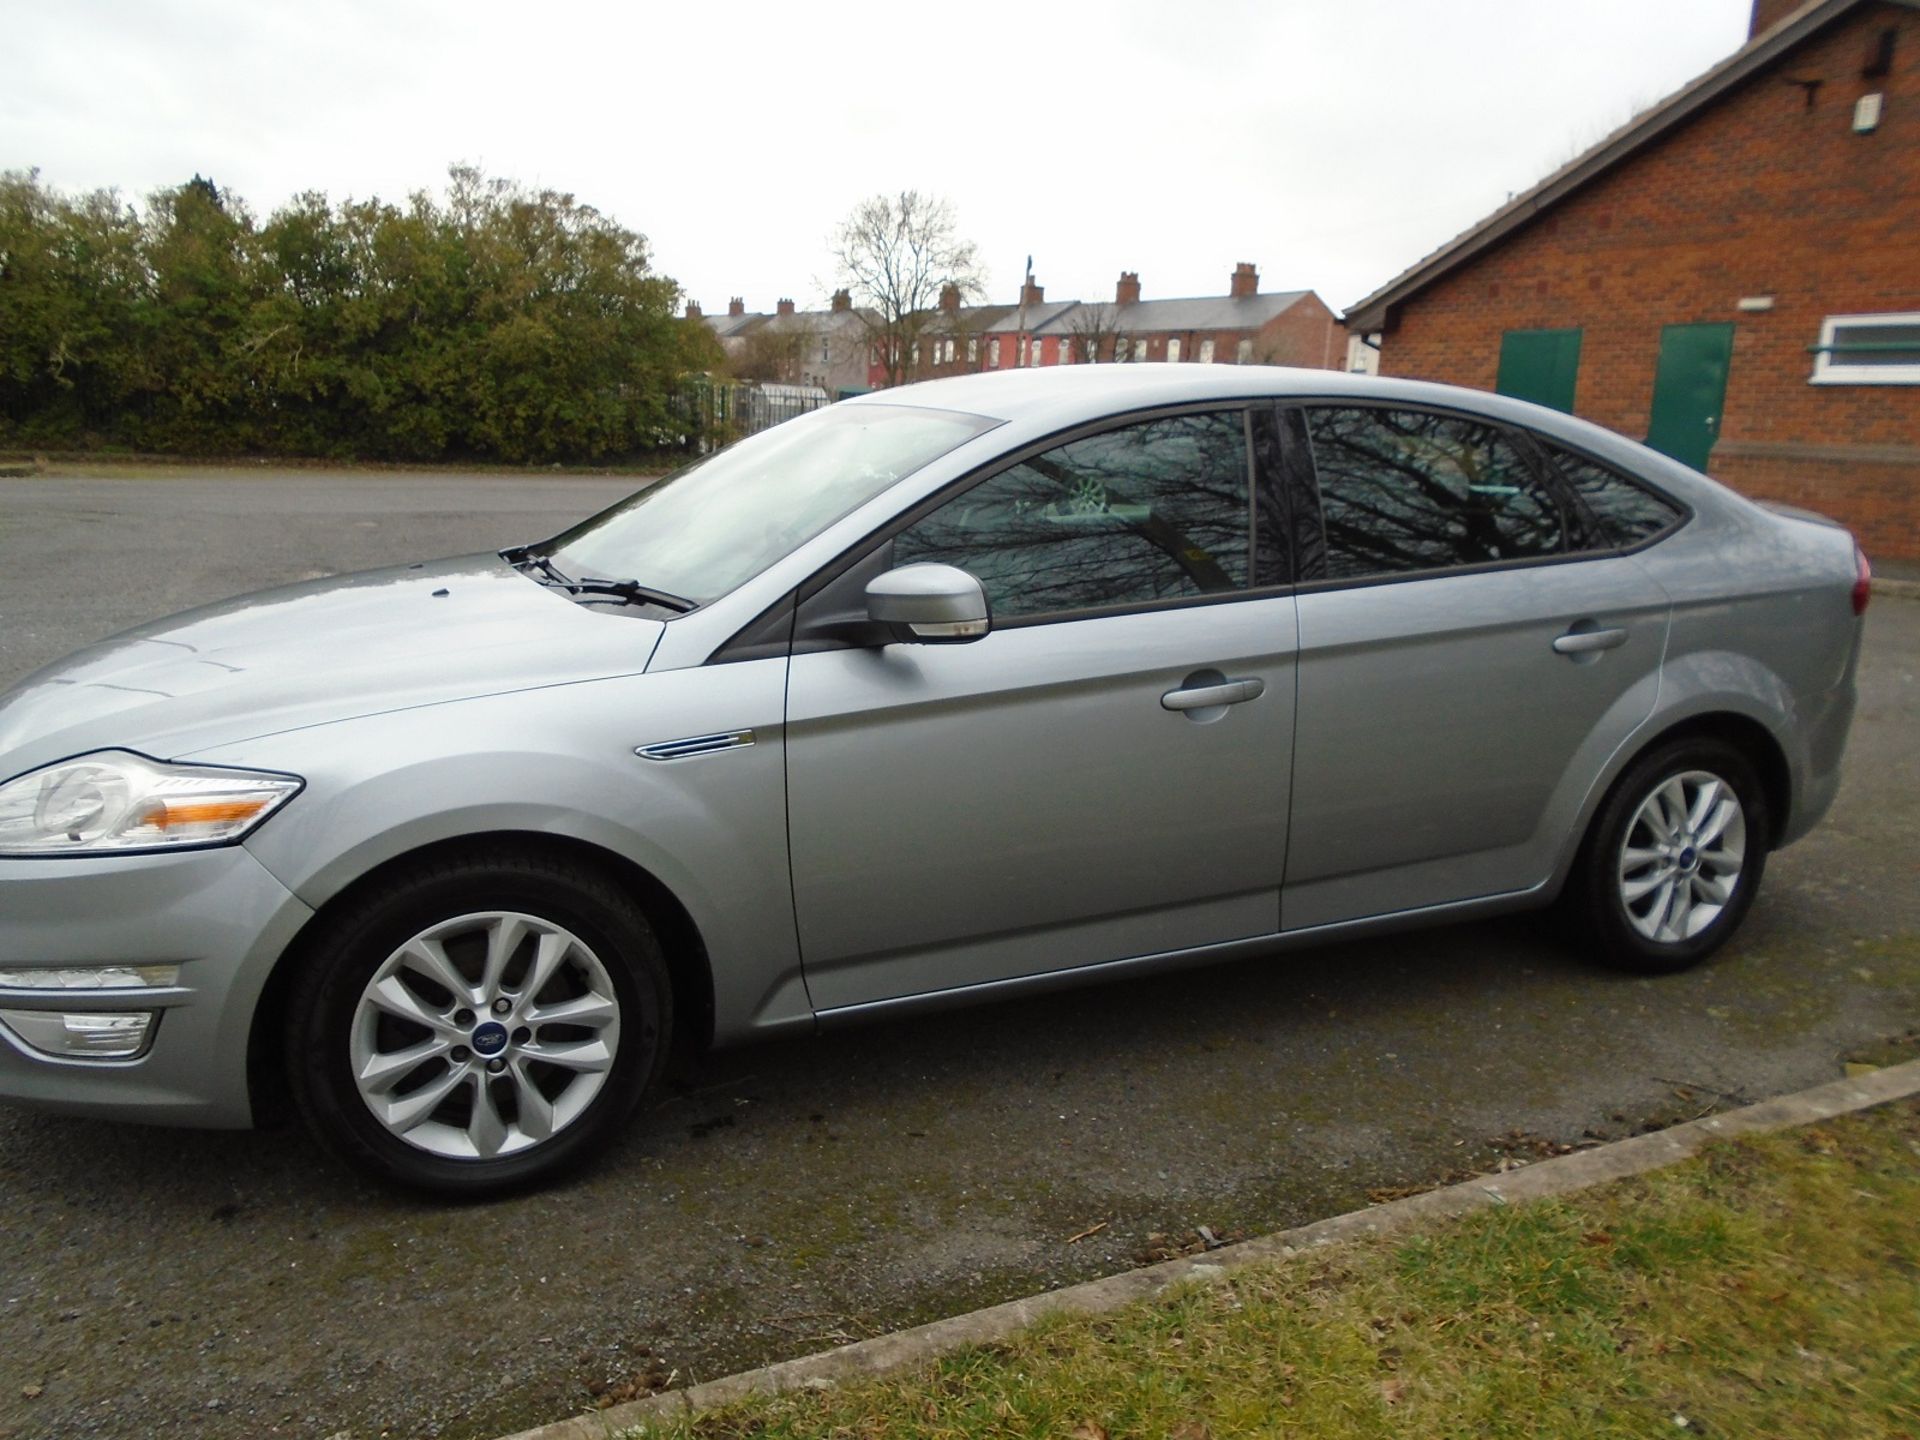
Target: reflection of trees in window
1408	490
1148	512
1627	514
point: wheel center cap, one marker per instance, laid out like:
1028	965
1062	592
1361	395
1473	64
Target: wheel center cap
1687	860
490	1039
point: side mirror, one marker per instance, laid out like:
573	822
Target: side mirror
928	604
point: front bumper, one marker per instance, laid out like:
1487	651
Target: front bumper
217	914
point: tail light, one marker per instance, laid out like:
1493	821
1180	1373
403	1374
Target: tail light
1863	581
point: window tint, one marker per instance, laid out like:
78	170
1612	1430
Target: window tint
1148	512
1626	513
1405	490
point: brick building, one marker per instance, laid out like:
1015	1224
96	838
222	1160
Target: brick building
1244	326
827	348
1734	275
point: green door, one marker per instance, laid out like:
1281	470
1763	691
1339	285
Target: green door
1689	389
1540	365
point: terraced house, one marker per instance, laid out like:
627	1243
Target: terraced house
1244	326
1733	275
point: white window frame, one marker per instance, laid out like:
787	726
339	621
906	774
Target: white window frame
1825	372
1206	351
1173	350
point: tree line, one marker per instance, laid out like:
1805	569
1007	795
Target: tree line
496	322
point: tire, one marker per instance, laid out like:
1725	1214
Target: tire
478	1025
1651	902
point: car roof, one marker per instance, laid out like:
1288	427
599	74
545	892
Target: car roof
1067	392
1027	392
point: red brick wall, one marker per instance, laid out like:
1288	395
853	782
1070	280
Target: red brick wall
1305	333
1761	195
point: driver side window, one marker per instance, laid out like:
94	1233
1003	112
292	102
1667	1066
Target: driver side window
1147	512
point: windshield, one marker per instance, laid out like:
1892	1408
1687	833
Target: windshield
705	529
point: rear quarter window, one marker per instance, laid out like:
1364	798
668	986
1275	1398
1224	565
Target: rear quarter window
1627	513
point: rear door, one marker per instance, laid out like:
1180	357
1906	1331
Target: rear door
1051	796
1473	647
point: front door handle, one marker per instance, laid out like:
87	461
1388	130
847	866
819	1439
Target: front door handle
1585	642
1205	697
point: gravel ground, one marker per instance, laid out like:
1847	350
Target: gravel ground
783	1198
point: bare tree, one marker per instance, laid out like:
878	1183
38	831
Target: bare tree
896	253
1097	333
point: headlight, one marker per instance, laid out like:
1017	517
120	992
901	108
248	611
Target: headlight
116	801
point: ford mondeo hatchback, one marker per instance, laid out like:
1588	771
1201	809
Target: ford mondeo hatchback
943	694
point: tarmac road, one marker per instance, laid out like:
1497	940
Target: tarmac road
160	1283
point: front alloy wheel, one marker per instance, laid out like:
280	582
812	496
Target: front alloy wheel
478	1023
485	1035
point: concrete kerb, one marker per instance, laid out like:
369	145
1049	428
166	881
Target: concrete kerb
1559	1176
1897	589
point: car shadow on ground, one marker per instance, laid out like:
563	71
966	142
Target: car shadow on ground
1282	1000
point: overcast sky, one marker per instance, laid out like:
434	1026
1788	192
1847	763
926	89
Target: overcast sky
1331	142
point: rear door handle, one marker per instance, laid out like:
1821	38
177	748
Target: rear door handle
1585	642
1203	697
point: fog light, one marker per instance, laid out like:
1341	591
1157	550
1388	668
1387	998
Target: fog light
89	977
90	1036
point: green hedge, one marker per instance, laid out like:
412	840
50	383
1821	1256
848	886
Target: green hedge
494	323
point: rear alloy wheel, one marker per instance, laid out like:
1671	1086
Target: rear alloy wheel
1674	858
478	1026
1683	856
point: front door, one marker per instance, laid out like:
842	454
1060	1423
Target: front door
1051	796
1689	391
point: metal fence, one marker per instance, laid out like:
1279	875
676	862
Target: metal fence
713	413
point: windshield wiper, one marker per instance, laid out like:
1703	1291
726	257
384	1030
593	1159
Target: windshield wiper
633	592
518	555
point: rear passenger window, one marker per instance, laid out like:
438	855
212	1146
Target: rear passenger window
1627	514
1409	490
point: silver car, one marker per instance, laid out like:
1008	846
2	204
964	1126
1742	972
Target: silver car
956	692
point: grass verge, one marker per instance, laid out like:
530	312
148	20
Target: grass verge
1768	1287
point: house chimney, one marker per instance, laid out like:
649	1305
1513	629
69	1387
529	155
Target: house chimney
1769	13
950	297
736	307
1032	294
842	301
1127	292
693	309
1245	283
783	307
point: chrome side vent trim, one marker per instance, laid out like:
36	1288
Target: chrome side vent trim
695	745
